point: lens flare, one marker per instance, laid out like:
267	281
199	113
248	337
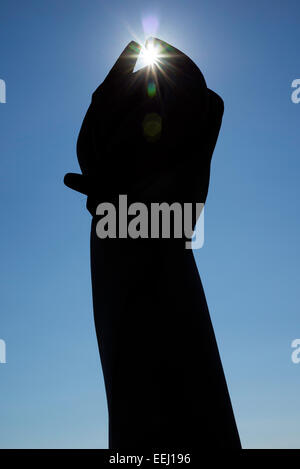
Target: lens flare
152	125
151	89
150	25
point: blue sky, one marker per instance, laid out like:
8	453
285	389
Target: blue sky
53	54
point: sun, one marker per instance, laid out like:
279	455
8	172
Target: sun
149	54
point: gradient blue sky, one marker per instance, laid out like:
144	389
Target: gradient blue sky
53	54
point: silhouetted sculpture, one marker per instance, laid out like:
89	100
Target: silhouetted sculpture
164	380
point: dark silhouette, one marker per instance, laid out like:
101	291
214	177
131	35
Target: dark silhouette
164	380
